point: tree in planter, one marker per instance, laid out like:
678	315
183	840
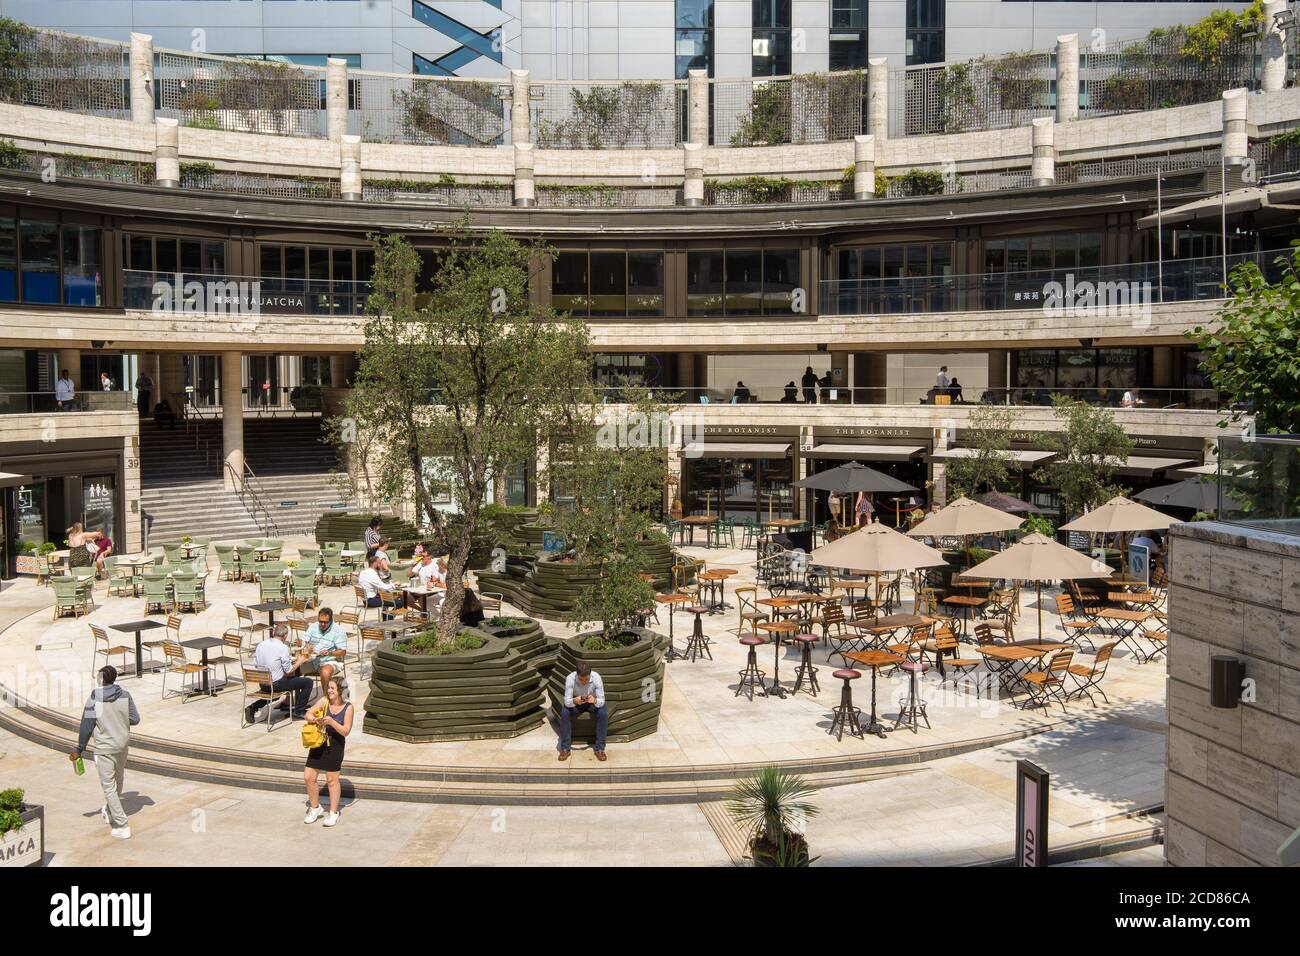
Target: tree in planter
772	805
459	380
1089	447
990	467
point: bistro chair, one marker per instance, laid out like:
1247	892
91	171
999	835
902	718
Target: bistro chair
369	639
69	595
248	627
187	590
1088	678
246	558
304	585
335	572
157	592
1076	629
231	652
173	553
270	585
257	686
954	667
747	612
1049	684
106	649
178	663
227	562
121	580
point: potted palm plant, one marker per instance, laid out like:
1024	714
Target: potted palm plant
771	806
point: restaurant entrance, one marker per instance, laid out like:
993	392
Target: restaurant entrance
736	487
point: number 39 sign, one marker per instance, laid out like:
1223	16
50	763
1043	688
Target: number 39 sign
1031	814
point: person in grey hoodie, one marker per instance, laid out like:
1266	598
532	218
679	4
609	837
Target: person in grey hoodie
109	714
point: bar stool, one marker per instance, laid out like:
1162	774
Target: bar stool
805	668
912	707
698	645
777	629
751	677
846	715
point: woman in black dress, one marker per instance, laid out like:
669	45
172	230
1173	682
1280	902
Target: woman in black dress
334	717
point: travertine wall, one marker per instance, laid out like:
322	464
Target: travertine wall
1233	782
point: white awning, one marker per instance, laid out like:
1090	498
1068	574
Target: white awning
1025	456
735	450
869	452
1144	466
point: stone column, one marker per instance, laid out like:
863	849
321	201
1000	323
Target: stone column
525	188
864	167
336	98
232	418
697	107
693	185
1067	78
141	78
338	371
878	98
1043	170
520	131
1235	145
1162	366
350	168
166	153
1273	48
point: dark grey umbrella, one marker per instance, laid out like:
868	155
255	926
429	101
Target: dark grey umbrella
1196	494
852	477
1008	503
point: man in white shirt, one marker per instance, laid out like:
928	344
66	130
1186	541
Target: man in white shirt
64	391
371	584
429	571
1132	399
941	380
584	692
273	655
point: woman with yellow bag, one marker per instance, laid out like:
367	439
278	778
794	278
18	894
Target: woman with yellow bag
325	734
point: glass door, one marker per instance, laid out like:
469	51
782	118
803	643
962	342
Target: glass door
263	381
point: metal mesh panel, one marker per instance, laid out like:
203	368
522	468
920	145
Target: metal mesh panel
606	197
426	110
284	187
61	72
980	94
806	108
80	167
1273	158
758	192
644	114
251	96
433	194
1129	166
1159	71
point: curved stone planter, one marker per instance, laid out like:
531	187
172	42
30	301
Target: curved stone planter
469	695
527	638
626	672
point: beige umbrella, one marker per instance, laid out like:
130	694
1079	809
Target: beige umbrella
876	547
1038	559
1121	514
963	517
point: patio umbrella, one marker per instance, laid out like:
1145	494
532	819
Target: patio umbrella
964	517
1120	514
1195	494
852	477
1038	559
876	547
1008	503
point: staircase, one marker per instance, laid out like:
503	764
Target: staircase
182	487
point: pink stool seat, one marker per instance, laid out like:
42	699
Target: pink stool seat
807	638
918	667
847	673
752	640
698	609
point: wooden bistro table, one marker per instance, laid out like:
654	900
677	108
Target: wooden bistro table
716	579
969	604
670	600
135	627
694	521
776	630
782	607
879	629
1015	660
1121	622
875	660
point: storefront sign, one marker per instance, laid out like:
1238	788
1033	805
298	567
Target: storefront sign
871	431
739	431
1031	814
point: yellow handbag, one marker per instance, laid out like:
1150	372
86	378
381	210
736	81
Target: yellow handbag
313	735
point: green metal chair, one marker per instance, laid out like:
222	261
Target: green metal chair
69	595
750	531
724	529
335	572
187	591
277	545
271	585
157	591
247	559
304	585
356	546
227	562
173	553
120	580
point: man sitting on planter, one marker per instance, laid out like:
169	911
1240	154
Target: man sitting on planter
584	693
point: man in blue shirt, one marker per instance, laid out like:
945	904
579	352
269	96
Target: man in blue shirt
64	391
327	642
584	693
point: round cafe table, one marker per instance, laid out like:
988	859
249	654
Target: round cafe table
670	600
777	629
875	660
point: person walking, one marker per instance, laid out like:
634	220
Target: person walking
334	716
109	715
143	394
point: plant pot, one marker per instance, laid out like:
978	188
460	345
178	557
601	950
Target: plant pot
26	845
527	638
764	852
492	691
627	673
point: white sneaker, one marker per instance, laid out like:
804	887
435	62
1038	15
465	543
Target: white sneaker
122	833
314	814
331	819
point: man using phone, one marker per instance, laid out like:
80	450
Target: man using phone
584	692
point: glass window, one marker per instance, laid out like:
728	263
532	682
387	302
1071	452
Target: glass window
695	13
645	283
295	262
848	51
191	256
320	265
141	252
1089	249
608	283
8	261
771	53
1040	252
39	245
569	283
1017	255
1067	252
214	258
342	265
780	279
995	256
269	263
771	13
704	272
848	14
99	504
82	284
694	51
744	282
164	255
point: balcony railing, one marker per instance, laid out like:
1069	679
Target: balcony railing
1083	291
180	292
41	403
1259	482
1028	396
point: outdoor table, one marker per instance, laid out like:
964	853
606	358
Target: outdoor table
261	551
670	600
190	550
887	625
1121	622
136	627
776	629
875	660
715	580
1142	600
970	606
137	564
202	644
1014	660
270	607
692	521
782	607
421	594
781	524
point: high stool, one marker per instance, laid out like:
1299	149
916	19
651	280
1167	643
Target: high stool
698	645
912	708
805	668
778	630
846	715
751	677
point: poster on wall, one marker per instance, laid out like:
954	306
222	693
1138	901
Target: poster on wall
98	494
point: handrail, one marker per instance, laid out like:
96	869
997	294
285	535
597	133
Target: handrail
246	492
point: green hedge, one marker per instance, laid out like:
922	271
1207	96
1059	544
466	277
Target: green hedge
625	672
490	692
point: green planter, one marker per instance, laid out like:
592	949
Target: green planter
527	638
492	691
627	673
